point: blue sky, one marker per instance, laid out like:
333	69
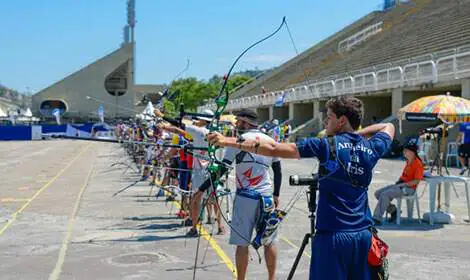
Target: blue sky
44	40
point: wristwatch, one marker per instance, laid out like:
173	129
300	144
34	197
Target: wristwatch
240	140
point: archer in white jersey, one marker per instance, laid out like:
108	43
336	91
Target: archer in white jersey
252	171
254	191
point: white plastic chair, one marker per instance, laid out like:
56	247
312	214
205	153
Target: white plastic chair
410	200
452	152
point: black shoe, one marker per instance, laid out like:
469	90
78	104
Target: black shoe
462	171
192	233
188	223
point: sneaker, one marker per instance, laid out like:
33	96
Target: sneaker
188	223
462	171
192	233
221	231
181	214
209	221
159	193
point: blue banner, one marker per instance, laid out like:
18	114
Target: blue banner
280	100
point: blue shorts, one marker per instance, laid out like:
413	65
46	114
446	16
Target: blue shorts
340	255
183	175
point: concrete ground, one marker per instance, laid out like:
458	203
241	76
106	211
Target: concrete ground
60	220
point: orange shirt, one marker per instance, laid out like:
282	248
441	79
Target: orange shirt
413	171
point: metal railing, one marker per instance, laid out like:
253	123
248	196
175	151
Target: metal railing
361	36
447	68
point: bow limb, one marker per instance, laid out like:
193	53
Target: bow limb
222	102
223	97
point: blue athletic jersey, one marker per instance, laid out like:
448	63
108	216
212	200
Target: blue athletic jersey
343	203
465	128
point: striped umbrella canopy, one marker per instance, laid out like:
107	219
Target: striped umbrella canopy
449	109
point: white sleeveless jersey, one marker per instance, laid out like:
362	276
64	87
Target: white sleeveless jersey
199	172
252	170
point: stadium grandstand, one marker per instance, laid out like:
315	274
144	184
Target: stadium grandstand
387	58
7	106
11	101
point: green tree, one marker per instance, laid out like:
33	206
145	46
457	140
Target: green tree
169	108
236	81
193	92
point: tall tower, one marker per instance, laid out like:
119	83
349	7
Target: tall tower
131	18
129	28
125	32
129	37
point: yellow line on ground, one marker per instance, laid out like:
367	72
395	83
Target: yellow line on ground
63	249
228	262
15	215
295	246
12	199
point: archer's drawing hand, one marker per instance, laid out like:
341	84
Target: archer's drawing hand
216	139
164	126
158	113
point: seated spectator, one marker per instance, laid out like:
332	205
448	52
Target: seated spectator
405	186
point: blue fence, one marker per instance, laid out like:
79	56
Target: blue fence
24	132
15	132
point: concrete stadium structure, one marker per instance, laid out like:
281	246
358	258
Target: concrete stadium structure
7	105
110	79
387	58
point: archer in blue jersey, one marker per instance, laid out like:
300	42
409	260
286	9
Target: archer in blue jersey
342	240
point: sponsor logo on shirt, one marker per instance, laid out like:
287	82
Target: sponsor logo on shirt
250	181
358	147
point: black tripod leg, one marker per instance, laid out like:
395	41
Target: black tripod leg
299	255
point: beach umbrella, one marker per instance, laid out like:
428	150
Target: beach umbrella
446	108
229	119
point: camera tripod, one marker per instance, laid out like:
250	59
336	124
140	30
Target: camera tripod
439	164
312	183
